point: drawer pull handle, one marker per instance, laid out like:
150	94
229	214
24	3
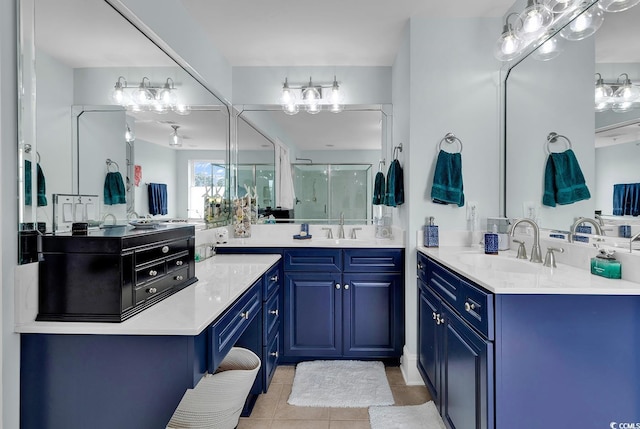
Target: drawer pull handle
152	290
165	249
419	266
439	320
153	273
468	307
274	312
346	286
245	315
337	285
179	278
179	263
274	278
274	354
434	315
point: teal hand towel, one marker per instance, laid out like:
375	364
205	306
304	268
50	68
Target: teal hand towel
563	180
41	195
447	185
378	189
114	191
394	196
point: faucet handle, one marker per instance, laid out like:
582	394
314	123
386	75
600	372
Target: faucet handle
329	232
550	257
353	233
522	251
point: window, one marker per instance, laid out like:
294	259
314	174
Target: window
207	189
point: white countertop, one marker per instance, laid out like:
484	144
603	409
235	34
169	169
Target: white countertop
504	274
222	279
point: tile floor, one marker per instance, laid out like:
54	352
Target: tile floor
272	411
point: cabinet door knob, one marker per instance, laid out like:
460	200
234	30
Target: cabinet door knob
245	315
274	278
179	263
179	278
274	312
337	285
165	249
469	306
434	315
439	320
153	273
346	286
274	354
419	266
152	290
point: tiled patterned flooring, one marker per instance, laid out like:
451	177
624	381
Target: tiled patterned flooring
272	411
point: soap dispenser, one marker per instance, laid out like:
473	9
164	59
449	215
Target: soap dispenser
430	237
606	265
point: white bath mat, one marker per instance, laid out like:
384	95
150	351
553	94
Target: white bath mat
424	416
339	383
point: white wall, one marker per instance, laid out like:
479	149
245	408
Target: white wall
158	166
614	164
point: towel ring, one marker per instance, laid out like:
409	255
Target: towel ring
553	138
109	162
27	149
450	138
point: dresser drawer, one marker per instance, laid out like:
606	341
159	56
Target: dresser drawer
151	289
476	307
271	281
325	260
150	272
372	260
230	326
161	251
271	317
445	283
178	261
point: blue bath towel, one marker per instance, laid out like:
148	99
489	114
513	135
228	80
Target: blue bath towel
41	195
447	185
157	198
626	199
563	180
114	191
394	195
378	189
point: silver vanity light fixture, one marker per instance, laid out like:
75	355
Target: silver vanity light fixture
312	97
509	44
617	5
175	139
144	94
626	96
603	94
129	136
158	98
533	21
118	94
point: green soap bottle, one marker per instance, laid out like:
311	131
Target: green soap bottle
606	265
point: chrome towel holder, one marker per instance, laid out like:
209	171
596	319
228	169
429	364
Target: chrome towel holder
109	163
553	138
451	139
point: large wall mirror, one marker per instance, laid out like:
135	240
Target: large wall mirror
558	96
332	158
100	100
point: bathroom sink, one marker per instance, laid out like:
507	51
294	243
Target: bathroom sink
499	263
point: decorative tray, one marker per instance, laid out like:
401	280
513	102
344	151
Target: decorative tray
301	237
144	224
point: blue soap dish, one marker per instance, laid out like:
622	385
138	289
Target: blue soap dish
301	237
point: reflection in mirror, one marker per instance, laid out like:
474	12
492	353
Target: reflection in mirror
331	157
77	55
558	96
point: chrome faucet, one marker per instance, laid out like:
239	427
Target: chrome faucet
580	221
536	256
341	226
132	215
353	233
108	215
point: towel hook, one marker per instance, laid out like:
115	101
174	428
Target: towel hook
27	149
450	138
395	151
553	138
109	162
381	163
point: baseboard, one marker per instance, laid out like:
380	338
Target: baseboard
409	368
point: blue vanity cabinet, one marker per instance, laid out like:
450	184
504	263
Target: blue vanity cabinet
455	356
341	303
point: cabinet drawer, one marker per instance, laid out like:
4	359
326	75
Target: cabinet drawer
372	260
161	251
271	280
325	260
149	273
422	267
271	357
445	283
476	307
271	317
178	261
230	326
155	288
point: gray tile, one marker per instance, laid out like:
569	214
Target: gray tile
394	376
353	424
410	395
300	424
349	414
284	374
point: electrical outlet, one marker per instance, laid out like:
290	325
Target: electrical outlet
472	210
530	210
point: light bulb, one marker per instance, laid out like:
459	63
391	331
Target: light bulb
560	6
549	50
129	136
533	21
287	96
118	94
335	98
290	109
584	25
181	109
313	108
508	46
175	140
